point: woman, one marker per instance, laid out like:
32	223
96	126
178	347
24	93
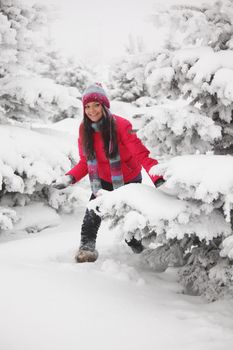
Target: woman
111	153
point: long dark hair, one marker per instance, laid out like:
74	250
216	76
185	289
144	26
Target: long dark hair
107	128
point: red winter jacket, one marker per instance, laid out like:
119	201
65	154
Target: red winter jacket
133	155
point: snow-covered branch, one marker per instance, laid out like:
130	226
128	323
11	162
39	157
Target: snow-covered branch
31	164
204	178
162	215
30	97
170	131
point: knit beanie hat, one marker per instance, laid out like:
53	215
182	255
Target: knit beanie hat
95	92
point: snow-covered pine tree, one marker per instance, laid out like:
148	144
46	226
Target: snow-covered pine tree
65	70
31	158
202	63
170	130
206	24
126	78
127	81
187	224
24	94
201	58
195	66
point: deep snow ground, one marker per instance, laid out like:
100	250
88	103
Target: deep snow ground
48	302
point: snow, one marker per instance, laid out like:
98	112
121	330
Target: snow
30	155
209	64
174	129
69	126
42	94
161	75
132	192
29	219
49	302
222	85
162	213
227	250
203	177
190	55
205	72
214	172
36	90
36	216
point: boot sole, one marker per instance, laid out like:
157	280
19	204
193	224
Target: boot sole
86	256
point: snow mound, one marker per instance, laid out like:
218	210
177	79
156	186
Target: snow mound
26	220
35	217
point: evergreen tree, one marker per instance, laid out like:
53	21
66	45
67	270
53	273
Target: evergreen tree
30	92
195	68
200	42
24	94
65	70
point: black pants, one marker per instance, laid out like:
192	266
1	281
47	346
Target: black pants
92	221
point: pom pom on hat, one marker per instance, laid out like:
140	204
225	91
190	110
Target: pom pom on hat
95	92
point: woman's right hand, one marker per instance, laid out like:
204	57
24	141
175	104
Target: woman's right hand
62	182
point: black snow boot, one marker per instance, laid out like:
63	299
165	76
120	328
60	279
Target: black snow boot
90	226
87	251
135	245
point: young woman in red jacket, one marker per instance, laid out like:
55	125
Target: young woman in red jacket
112	155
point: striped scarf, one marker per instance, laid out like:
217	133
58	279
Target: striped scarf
115	168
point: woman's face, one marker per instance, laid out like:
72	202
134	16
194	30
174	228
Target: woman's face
94	111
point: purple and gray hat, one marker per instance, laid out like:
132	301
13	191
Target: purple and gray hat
95	92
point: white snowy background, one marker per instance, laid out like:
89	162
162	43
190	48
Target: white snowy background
168	69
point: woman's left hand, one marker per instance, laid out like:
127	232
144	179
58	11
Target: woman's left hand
159	182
